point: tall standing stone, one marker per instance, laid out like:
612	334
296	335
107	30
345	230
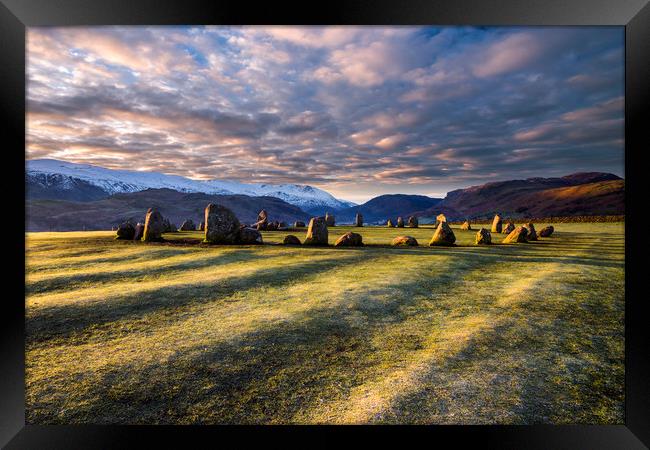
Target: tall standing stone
262	220
497	225
443	235
316	232
358	220
221	225
330	220
413	222
153	226
389	224
400	222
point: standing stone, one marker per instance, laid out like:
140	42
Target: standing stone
413	222
290	239
358	220
508	228
389	224
125	231
409	241
532	235
546	231
299	224
139	232
188	225
400	222
349	239
272	226
262	219
443	235
221	225
202	226
153	226
516	235
466	225
330	220
497	224
483	237
317	232
249	235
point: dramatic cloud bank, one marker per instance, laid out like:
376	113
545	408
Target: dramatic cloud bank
358	111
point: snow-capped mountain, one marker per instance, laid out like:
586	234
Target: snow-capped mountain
44	174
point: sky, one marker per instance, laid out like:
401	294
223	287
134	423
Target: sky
357	111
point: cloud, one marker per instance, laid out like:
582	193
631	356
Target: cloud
355	110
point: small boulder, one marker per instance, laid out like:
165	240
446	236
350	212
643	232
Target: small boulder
516	235
299	224
153	226
125	231
509	228
466	225
290	239
405	241
221	225
349	239
443	235
188	225
330	220
497	224
546	231
532	234
249	235
317	232
358	220
413	222
139	232
400	222
483	237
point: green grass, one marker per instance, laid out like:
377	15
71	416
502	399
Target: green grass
124	332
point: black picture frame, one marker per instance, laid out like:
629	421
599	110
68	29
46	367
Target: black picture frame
16	15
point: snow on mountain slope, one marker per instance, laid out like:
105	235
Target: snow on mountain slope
118	181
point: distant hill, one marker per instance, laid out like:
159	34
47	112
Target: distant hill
63	215
387	206
590	193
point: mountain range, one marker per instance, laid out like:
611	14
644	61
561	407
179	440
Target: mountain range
60	180
66	196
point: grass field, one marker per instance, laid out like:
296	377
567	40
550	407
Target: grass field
124	332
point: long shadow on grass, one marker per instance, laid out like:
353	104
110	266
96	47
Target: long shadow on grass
529	348
66	320
74	280
266	376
